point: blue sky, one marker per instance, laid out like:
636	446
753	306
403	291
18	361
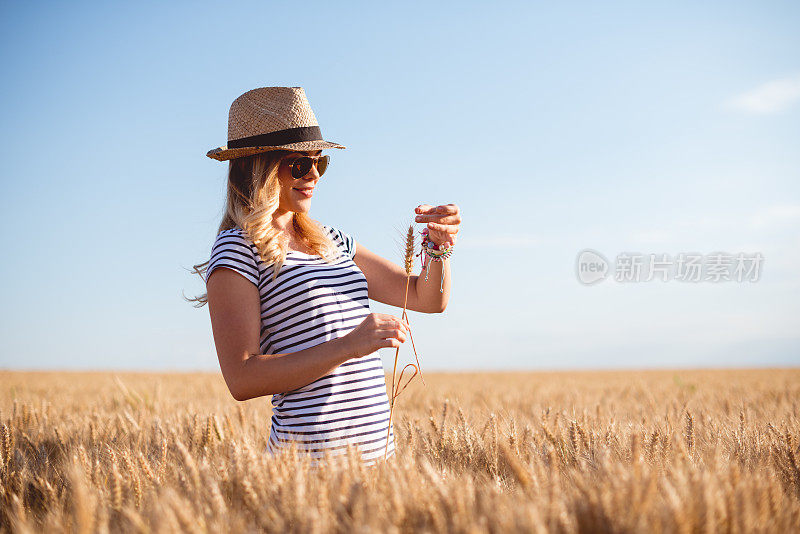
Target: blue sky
555	127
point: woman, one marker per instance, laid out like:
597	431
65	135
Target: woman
289	306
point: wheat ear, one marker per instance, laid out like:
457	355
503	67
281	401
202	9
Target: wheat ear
409	262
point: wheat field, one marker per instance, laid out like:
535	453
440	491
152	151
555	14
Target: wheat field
639	451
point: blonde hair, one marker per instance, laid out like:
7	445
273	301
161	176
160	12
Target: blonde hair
253	196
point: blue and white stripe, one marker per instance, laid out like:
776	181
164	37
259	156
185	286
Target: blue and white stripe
311	302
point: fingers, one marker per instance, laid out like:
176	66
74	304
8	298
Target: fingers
443	219
379	330
386	343
445	228
395	333
386	320
445	209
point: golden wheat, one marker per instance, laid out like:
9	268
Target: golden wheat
658	451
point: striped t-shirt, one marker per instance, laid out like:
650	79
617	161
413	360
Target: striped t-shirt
311	302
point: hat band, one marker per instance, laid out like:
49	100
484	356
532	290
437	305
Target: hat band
279	137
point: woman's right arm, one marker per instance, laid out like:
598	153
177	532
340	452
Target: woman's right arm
235	308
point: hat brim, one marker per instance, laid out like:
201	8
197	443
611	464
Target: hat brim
224	153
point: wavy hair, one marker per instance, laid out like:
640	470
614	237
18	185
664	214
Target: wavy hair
253	196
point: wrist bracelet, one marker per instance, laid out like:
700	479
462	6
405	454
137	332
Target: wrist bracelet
430	252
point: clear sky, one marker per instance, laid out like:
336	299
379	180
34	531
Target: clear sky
554	126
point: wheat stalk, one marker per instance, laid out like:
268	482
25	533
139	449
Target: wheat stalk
408	260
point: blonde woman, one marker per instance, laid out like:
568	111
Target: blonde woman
289	297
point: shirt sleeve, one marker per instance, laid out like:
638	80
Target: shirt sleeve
344	241
233	250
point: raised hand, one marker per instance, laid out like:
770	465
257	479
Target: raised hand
443	222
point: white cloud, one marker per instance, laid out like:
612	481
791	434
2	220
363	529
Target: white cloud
770	97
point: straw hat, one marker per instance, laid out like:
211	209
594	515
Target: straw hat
271	118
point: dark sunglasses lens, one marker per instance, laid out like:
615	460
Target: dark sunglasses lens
322	164
301	167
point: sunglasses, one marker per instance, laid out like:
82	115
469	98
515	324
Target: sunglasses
301	165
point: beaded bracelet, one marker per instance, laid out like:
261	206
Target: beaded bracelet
433	253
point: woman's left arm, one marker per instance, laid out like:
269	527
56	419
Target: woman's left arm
386	281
